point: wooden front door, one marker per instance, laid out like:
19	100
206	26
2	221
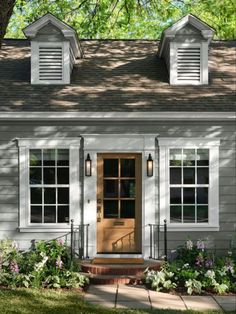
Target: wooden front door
119	203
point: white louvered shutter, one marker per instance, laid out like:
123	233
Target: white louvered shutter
189	64
50	63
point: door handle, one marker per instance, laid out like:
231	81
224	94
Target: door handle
99	214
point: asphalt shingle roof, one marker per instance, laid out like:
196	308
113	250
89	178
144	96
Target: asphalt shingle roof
116	76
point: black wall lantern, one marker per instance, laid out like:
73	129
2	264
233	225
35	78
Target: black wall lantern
88	166
149	166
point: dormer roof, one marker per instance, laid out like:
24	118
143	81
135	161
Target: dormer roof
204	29
67	31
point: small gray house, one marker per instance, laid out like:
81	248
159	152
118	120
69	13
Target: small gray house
118	135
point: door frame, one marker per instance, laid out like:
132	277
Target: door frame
143	144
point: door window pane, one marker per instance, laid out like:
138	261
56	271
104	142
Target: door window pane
110	209
110	168
202	195
63	157
35	176
49	196
127	188
175	175
62	175
189	195
35	157
188	214
202	176
49	157
36	196
203	157
36	214
127	209
175	157
189	157
189	175
63	214
202	213
63	195
175	214
49	214
49	175
127	167
110	188
175	195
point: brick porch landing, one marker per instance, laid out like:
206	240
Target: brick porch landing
118	273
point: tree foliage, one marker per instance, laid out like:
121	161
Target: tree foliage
124	19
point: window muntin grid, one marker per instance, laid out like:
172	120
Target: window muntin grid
189	185
49	185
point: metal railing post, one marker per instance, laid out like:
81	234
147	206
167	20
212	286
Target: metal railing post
165	239
158	241
87	226
72	239
150	241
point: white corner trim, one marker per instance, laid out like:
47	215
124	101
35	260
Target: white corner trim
118	116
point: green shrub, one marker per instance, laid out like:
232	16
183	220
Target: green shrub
48	266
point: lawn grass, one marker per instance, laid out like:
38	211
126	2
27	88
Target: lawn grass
34	301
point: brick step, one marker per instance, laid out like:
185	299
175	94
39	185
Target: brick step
118	269
114	279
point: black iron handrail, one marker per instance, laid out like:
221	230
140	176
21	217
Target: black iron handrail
79	240
155	240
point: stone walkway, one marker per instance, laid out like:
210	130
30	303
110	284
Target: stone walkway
138	297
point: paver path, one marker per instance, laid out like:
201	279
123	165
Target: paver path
138	297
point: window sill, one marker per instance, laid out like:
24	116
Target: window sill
48	229
178	227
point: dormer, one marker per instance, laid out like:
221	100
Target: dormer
184	47
54	49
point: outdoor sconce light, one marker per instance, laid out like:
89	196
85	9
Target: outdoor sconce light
149	166
88	166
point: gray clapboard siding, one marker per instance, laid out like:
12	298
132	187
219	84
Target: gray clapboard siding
8	225
228	190
8	199
224	181
8	190
8	181
8	162
9	172
12	217
8	208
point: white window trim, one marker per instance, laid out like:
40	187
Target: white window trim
73	144
213	145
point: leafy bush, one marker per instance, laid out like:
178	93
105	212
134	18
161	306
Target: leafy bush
195	271
48	266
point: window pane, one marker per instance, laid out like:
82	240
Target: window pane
63	157
203	157
35	175
63	213
175	214
49	196
202	195
63	196
110	188
110	209
127	188
202	175
127	167
189	214
36	196
49	214
189	157
127	209
110	168
36	214
202	213
49	156
63	175
189	196
175	195
175	176
35	157
49	175
189	175
175	157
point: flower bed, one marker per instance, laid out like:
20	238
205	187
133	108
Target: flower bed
47	266
195	271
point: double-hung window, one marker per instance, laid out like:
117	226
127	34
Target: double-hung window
49	183
189	183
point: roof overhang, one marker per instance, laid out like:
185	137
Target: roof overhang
117	116
206	31
68	32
